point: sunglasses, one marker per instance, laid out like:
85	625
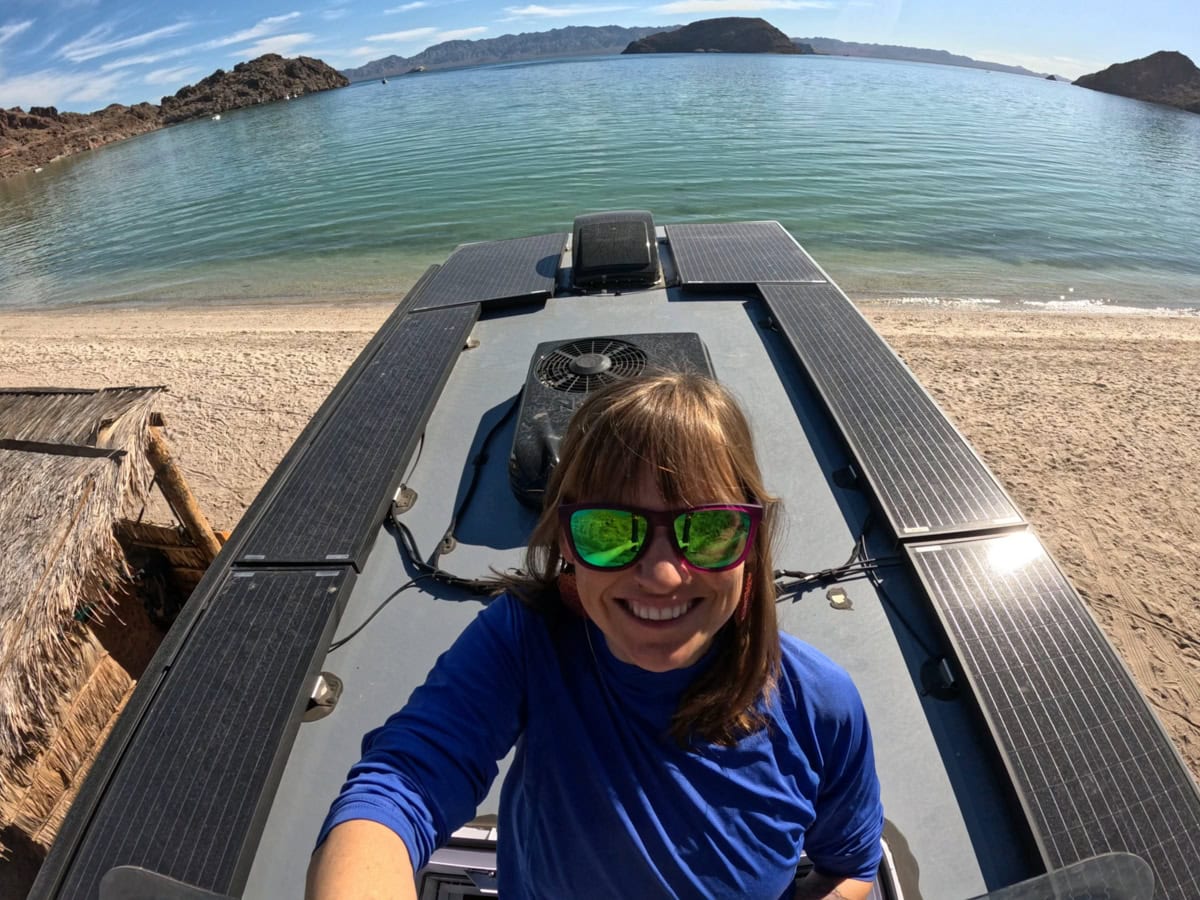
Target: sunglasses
713	538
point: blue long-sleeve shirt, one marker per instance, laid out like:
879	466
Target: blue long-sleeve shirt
600	801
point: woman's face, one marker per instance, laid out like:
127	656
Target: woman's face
659	614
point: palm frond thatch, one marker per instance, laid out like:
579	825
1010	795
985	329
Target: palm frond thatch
62	561
110	418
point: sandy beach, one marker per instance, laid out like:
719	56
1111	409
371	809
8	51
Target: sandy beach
1090	421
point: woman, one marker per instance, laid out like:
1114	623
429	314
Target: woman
669	742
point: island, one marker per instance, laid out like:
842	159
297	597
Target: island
29	140
1167	77
733	34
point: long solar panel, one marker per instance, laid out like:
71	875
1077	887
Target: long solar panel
190	794
1091	763
739	253
493	272
926	476
331	505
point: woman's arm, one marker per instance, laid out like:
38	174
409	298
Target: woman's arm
831	887
361	860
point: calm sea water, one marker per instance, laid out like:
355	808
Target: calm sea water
904	180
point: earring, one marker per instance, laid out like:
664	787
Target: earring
743	607
569	592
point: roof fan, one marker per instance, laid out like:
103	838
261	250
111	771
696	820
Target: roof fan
614	249
561	376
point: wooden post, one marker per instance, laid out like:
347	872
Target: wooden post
175	489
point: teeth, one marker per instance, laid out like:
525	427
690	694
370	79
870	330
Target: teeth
655	614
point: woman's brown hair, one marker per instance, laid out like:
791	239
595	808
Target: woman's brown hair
695	438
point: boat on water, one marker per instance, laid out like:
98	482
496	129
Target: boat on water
1015	752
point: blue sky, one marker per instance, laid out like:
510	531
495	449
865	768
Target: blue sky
81	55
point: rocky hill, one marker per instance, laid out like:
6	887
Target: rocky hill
834	47
1166	77
571	41
34	138
263	80
43	134
733	34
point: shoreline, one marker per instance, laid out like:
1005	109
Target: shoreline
1088	420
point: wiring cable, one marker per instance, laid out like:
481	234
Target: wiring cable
335	645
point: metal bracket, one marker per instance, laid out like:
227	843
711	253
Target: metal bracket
324	697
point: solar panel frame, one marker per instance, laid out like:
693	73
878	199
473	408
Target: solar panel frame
496	273
739	254
926	477
1091	764
190	794
357	456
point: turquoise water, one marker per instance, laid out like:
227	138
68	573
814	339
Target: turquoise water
904	180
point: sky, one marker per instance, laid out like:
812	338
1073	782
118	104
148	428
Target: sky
81	55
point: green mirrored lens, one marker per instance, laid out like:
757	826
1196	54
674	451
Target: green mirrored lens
712	538
608	538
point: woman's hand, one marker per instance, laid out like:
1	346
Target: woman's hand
362	860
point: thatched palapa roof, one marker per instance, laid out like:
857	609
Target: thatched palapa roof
71	464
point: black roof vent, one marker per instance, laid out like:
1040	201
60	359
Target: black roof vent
581	366
562	374
615	249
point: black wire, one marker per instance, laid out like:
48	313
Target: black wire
842	573
428	570
477	463
891	605
388	599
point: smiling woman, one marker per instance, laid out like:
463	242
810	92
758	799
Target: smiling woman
666	734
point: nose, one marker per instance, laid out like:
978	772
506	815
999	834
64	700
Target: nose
660	569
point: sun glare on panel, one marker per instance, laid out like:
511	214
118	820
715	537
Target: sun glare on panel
1009	554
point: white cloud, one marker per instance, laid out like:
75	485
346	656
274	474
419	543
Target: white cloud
334	13
148	59
407	7
95	43
8	32
399	37
458	34
50	87
283	44
261	28
178	75
557	12
715	6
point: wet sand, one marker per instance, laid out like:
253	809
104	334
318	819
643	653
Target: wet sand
1090	421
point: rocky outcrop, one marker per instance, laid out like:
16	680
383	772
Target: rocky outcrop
266	79
32	139
727	35
43	134
1166	77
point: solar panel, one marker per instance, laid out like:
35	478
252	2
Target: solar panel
522	269
188	797
332	502
925	475
1091	763
739	253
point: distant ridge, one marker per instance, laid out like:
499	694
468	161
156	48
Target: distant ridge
834	47
574	40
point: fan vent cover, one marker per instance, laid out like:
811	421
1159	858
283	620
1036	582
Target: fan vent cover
582	366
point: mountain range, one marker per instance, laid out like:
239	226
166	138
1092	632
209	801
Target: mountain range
574	40
580	40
